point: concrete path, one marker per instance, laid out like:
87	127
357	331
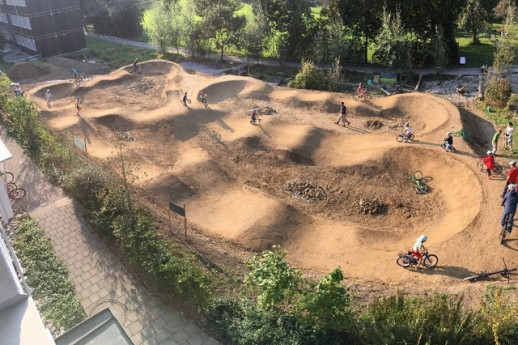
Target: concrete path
100	279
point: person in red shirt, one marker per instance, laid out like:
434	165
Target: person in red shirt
489	161
512	175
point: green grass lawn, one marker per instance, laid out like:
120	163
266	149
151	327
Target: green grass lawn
117	55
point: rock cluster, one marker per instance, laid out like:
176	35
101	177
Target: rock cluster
305	189
124	136
374	206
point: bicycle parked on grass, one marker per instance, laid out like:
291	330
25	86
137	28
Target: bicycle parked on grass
408	259
505	272
419	185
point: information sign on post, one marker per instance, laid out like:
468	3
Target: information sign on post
81	144
180	211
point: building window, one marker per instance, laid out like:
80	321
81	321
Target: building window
20	21
15	2
3	17
25	41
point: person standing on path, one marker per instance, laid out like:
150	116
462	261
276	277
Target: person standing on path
342	115
509	136
509	203
78	105
48	95
494	141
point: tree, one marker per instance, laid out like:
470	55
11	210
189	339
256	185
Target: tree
474	19
220	22
505	50
157	25
256	32
438	51
393	43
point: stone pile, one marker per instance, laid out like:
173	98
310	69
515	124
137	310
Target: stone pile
305	189
374	206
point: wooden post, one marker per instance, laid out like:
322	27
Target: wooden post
185	222
169	215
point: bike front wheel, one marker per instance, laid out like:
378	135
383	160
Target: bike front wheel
356	97
430	261
17	193
481	166
418	175
399	138
7	176
497	169
402	261
367	97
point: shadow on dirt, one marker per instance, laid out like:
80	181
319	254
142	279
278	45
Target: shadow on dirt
450	271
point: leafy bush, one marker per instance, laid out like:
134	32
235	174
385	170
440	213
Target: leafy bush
311	77
438	319
498	92
499	317
23	122
46	275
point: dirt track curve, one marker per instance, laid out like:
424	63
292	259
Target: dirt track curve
233	176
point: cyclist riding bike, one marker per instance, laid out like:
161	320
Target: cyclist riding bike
418	249
361	90
184	99
489	161
255	116
135	65
448	142
407	132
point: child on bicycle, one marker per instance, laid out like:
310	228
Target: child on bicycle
254	117
510	201
407	132
448	142
135	67
361	90
418	249
184	99
489	161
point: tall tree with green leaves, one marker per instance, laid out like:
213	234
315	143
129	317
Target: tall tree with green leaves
505	49
157	24
474	19
220	22
256	32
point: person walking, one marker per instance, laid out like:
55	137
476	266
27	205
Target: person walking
509	202
48	95
494	141
509	136
78	105
342	115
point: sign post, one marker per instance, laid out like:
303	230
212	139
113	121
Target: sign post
181	212
81	144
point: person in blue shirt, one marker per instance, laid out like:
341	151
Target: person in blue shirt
509	203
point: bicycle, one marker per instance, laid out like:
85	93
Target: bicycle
78	80
498	169
408	259
135	69
362	96
503	232
401	137
420	187
506	273
203	99
187	101
7	176
14	191
446	148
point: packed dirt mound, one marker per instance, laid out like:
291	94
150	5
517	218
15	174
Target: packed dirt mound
24	71
332	196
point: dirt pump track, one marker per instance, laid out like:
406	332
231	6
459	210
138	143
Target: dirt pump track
233	176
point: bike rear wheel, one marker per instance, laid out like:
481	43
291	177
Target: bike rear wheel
418	175
17	193
497	169
430	261
411	136
402	261
421	189
399	138
481	166
367	97
502	233
356	97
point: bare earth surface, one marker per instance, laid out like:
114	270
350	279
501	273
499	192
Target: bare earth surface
297	178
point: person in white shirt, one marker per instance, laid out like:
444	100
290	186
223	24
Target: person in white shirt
509	136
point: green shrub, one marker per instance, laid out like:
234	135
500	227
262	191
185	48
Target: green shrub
311	77
46	275
498	92
86	183
437	319
23	121
499	317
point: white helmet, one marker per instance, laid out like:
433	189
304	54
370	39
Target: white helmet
423	238
406	123
510	187
489	152
512	163
448	134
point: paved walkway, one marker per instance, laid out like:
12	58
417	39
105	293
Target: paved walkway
100	279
